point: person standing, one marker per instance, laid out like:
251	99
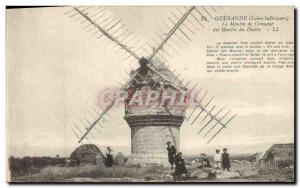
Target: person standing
225	160
109	158
217	159
171	153
180	168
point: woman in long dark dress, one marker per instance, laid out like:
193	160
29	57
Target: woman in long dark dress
225	160
180	168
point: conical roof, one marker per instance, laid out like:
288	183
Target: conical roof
86	153
146	76
163	69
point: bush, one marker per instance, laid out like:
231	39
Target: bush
30	165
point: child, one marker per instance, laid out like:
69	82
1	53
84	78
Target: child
225	160
217	159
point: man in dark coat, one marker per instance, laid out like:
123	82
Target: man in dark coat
109	158
180	168
171	153
225	160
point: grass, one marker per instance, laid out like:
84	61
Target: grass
60	174
89	173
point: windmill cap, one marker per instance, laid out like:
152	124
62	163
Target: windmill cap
143	61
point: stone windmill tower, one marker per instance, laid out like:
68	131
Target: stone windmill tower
152	125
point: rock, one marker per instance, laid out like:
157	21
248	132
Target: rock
228	175
149	178
212	175
169	177
201	174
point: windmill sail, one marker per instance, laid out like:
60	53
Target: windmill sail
180	27
105	33
114	31
181	30
92	126
105	26
172	31
203	109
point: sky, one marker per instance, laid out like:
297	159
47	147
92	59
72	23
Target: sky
56	70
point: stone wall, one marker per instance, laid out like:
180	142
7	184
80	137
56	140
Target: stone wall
152	139
148	144
149	135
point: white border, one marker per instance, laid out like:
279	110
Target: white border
4	3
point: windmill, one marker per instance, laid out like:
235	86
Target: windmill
152	126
